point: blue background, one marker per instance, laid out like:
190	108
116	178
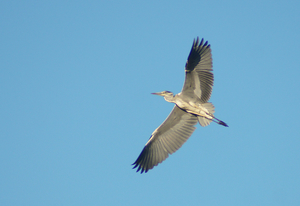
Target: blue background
76	108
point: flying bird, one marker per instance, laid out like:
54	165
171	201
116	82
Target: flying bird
191	106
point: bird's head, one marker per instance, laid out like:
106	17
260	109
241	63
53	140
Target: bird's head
166	94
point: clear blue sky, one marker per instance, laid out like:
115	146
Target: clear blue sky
76	108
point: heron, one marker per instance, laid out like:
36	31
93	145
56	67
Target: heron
191	106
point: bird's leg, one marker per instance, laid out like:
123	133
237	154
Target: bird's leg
219	122
208	114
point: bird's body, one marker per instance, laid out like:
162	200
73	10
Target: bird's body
191	106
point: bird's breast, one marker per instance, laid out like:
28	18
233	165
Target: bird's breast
192	107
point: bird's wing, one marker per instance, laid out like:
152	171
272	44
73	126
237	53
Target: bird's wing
166	139
199	78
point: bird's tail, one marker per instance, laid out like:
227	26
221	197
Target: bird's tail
204	121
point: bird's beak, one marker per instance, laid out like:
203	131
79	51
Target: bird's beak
159	93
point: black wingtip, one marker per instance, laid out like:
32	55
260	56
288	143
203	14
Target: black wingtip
197	44
142	170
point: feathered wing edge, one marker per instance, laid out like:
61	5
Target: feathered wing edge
198	68
166	139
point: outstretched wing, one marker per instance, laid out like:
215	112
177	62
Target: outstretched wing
199	78
166	139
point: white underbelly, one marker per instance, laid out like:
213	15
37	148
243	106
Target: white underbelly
197	109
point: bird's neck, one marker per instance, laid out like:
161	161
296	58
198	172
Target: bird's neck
170	98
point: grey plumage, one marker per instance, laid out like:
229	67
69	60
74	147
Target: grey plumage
191	106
